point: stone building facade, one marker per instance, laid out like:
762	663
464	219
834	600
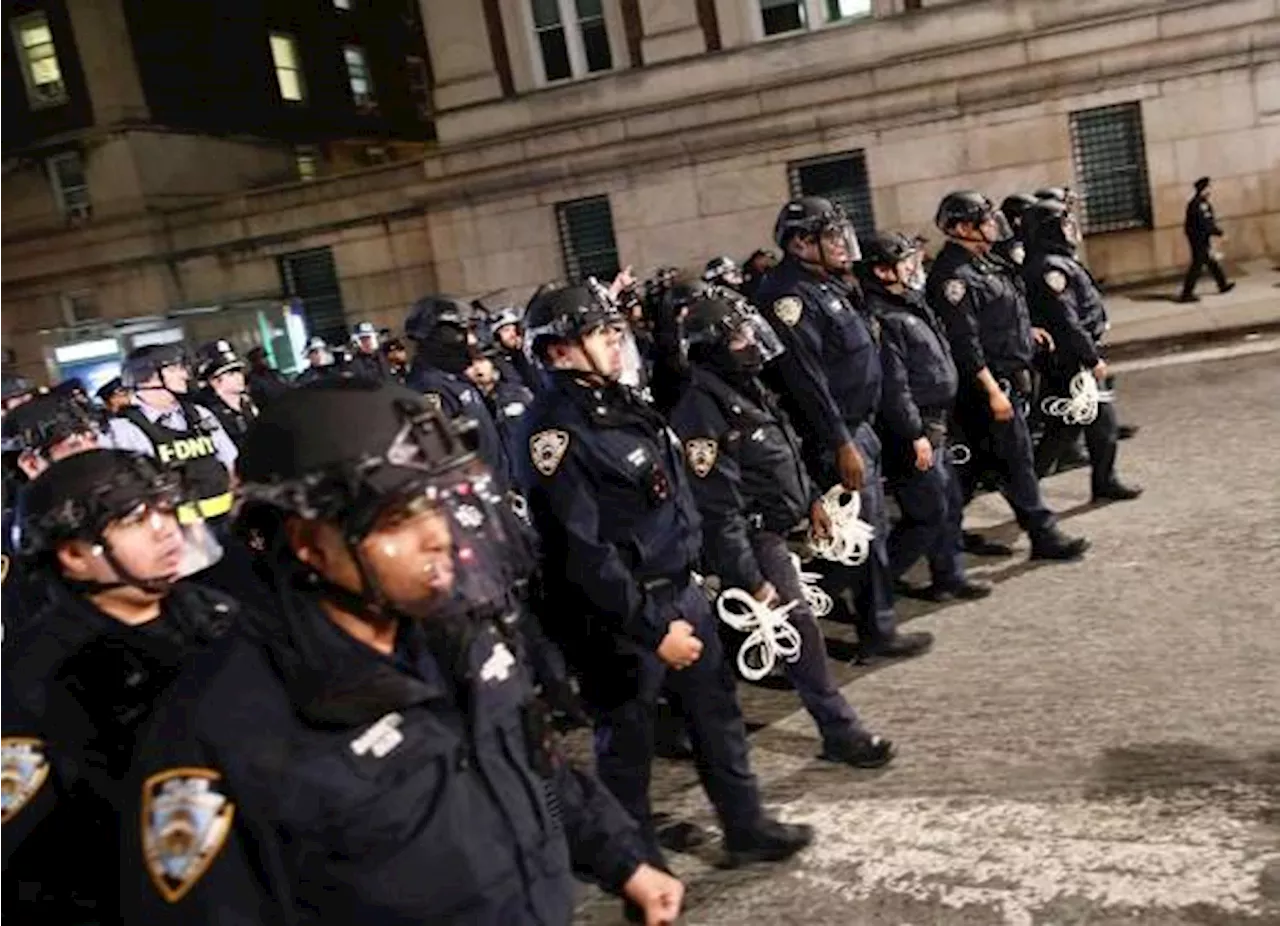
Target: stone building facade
672	130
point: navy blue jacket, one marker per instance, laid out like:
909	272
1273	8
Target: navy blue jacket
984	311
829	377
609	497
1200	224
345	786
458	398
508	403
920	376
745	467
1066	302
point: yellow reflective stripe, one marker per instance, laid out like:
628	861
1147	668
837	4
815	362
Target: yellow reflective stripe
206	508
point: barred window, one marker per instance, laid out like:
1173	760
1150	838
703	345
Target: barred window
586	238
841	178
1111	165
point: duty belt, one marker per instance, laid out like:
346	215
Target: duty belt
204	509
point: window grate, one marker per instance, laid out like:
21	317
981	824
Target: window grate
586	239
841	178
311	277
1111	166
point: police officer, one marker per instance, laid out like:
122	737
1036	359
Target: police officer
366	360
321	362
621	533
1201	227
831	378
1013	247
225	392
506	328
84	672
723	271
753	493
919	397
371	753
397	357
989	327
754	269
113	396
440	326
505	396
163	422
1066	302
264	380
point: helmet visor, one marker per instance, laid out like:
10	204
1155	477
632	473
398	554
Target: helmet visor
839	242
749	331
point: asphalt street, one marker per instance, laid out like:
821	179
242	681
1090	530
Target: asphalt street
1097	743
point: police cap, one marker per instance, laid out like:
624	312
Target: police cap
77	497
110	388
215	358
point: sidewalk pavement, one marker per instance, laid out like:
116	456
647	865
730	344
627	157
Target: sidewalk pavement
1148	318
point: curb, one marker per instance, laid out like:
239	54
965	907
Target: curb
1173	343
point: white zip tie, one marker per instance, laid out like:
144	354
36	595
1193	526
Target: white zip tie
1081	408
850	541
820	602
769	632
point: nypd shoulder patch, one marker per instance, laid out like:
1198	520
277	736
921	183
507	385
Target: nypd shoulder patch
1056	280
701	453
23	770
788	309
185	822
954	290
547	449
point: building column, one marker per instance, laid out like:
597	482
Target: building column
106	55
671	30
462	64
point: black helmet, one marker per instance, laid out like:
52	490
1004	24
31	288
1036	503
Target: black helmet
215	358
431	312
886	249
1060	194
721	270
143	363
15	387
503	316
1015	205
713	322
806	215
962	206
1045	226
350	451
77	497
566	314
46	420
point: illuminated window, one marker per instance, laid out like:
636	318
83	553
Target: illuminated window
288	64
358	77
70	186
778	17
39	59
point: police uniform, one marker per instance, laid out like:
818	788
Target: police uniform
988	325
753	492
918	401
1065	301
507	404
830	382
1201	227
234	421
458	398
621	533
370	365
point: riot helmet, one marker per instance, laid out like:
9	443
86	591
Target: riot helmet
1014	206
440	326
815	219
1050	227
587	320
724	271
49	428
156	367
370	471
971	207
897	254
121	508
729	335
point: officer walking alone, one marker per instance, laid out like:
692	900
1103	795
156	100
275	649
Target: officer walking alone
1201	227
621	533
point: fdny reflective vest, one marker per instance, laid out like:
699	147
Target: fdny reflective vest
193	454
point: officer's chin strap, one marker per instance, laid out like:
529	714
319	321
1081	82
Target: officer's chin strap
820	603
850	540
1081	407
125	578
770	634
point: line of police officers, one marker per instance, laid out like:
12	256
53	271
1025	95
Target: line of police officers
330	703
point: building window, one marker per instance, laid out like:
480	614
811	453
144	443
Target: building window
586	238
307	160
419	85
571	38
39	59
284	54
1110	157
70	188
358	77
79	307
778	17
841	178
342	4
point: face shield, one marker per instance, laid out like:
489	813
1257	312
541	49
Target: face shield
752	339
838	242
995	227
1071	230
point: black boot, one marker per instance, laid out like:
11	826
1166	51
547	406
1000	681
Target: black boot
1116	491
978	545
1126	431
898	646
861	751
1054	544
770	841
966	590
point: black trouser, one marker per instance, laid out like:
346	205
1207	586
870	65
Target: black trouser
1200	259
1100	437
706	696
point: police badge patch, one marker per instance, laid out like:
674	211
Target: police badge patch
954	290
701	453
788	310
547	449
23	769
185	821
1056	280
433	401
